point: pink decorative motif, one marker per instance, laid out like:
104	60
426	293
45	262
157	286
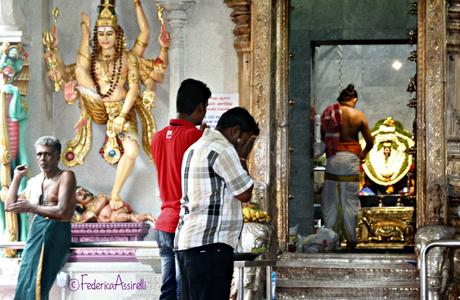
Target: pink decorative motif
106	232
13	134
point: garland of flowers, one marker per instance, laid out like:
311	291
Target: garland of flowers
399	130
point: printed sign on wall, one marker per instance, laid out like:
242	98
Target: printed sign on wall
217	105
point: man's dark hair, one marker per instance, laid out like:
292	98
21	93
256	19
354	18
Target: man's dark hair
238	116
348	93
191	93
49	141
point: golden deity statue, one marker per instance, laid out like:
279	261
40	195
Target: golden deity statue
107	79
390	159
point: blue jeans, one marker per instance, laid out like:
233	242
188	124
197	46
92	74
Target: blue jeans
171	281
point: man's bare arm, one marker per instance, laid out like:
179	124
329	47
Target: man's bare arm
246	195
19	173
366	132
66	201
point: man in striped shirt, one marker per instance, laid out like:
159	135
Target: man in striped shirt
214	183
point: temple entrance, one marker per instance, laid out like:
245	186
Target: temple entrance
384	79
296	25
331	46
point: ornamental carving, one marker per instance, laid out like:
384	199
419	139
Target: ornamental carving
431	61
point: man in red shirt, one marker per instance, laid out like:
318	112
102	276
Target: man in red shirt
168	147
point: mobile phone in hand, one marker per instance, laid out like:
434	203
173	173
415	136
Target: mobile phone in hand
21	167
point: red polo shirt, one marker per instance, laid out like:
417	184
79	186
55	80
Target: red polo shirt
168	147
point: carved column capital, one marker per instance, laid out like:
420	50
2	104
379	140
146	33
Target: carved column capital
12	21
241	16
176	17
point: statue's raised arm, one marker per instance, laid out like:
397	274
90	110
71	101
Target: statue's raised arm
83	66
142	40
58	72
151	71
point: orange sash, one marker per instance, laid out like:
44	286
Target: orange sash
353	147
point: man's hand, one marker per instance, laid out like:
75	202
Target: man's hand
244	149
21	171
203	126
21	206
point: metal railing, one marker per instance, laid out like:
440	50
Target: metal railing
423	262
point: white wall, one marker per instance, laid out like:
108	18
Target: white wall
210	57
40	98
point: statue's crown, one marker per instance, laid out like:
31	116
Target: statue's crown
106	17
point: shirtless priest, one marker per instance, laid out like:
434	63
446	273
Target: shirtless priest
50	198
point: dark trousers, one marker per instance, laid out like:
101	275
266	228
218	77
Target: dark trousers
206	272
170	275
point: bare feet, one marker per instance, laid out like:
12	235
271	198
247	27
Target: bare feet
115	202
142	218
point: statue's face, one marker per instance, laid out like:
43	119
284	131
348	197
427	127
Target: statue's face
13	52
106	37
83	196
387	151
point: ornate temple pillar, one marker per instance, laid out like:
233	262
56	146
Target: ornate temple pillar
176	19
270	163
262	83
431	124
241	16
281	122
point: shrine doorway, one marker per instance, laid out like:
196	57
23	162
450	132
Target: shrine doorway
280	96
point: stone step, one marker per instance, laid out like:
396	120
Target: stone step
347	294
346	276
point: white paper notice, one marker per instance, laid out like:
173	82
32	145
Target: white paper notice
217	105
